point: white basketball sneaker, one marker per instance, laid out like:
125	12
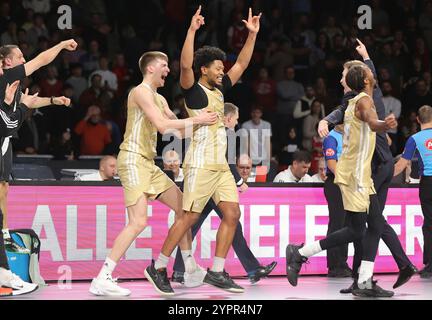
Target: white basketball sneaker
12	281
196	278
107	287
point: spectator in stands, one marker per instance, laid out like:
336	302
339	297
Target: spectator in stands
109	79
420	98
38	6
278	56
392	105
107	170
410	125
122	72
330	28
61	146
291	145
244	168
37	31
321	175
265	92
90	60
50	85
237	34
171	162
259	137
289	93
297	172
77	81
310	123
10	36
303	109
92	95
94	134
28	142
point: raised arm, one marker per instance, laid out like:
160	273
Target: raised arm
362	51
366	113
187	77
48	56
243	59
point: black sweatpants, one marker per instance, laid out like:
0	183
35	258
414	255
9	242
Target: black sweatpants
239	244
3	259
425	194
336	257
382	175
355	229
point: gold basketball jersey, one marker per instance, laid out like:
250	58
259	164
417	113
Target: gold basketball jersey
354	165
140	134
208	143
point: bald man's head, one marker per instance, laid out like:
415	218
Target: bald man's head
108	167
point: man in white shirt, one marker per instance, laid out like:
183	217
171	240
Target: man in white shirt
259	133
171	162
321	176
297	172
392	105
107	170
109	78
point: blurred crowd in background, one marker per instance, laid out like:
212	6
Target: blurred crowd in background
292	81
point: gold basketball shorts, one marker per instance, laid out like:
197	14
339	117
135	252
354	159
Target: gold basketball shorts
355	198
202	184
139	176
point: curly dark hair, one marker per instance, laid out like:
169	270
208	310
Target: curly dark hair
355	77
205	56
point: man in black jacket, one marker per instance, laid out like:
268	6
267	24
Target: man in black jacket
254	270
10	283
382	171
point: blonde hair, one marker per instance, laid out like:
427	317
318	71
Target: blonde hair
149	57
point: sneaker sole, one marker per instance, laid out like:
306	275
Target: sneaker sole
232	290
98	292
367	294
155	286
22	291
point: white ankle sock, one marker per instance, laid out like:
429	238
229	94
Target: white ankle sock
161	262
6	234
107	268
310	249
218	264
365	270
185	254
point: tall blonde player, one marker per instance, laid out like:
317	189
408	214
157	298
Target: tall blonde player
141	179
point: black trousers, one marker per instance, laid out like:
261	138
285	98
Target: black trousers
240	246
425	194
356	230
382	175
336	257
3	259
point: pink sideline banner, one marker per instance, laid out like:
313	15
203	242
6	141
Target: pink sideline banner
78	224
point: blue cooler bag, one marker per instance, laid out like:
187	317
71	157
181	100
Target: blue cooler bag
26	266
19	263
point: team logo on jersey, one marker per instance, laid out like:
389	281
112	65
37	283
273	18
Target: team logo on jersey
428	144
330	152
